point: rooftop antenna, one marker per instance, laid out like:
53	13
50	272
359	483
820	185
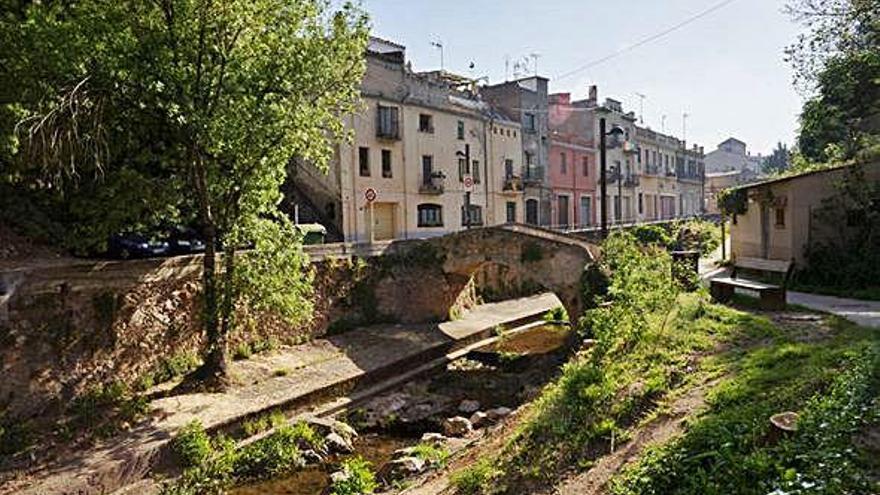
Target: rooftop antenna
684	119
506	68
535	57
663	124
641	108
439	45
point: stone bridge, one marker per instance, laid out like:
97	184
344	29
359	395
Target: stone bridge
541	257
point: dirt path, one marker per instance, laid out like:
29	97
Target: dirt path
658	430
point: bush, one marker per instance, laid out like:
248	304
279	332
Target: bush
358	478
192	445
267	421
655	235
276	454
556	314
475	479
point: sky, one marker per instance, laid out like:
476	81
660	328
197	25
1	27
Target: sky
725	69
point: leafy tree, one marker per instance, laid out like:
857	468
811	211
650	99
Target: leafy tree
778	161
232	90
838	61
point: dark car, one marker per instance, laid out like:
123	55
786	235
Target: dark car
126	246
185	241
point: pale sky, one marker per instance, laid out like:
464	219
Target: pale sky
725	69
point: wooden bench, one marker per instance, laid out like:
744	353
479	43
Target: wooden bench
771	296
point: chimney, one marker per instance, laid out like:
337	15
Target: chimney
594	94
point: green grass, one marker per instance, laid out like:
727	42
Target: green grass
436	455
647	343
833	383
212	465
264	422
359	478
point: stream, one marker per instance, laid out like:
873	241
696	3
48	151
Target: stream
507	373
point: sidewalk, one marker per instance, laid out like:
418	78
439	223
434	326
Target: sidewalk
864	313
294	378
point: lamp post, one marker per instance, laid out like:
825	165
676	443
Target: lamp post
466	155
615	134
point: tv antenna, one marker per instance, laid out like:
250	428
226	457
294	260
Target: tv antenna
439	45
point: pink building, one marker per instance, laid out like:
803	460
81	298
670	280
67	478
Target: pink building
572	171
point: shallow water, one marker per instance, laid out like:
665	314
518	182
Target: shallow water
491	386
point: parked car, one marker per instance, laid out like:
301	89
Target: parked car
133	245
185	241
313	233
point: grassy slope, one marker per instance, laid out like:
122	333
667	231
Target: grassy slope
653	343
831	380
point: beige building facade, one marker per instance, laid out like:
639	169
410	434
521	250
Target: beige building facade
780	221
658	195
427	157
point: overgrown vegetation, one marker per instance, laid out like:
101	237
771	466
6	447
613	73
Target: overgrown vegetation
263	422
833	383
557	314
213	464
104	410
168	369
433	454
646	336
696	235
358	478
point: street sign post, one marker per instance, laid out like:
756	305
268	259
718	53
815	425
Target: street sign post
370	196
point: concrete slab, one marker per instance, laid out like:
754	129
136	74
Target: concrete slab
294	378
864	313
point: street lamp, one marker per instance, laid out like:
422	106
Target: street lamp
615	133
466	156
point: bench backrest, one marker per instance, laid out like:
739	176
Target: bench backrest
764	265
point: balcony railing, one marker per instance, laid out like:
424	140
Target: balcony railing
631	181
513	183
533	176
433	184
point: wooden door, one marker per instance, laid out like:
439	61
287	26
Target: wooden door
383	221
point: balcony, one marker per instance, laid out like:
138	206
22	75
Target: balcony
512	184
433	184
631	181
652	170
534	176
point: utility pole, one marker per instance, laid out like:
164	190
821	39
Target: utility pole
684	119
603	179
663	124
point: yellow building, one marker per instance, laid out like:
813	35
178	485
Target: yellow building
424	146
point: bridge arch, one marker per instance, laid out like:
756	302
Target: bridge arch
549	259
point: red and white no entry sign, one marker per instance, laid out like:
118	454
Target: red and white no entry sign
468	182
370	195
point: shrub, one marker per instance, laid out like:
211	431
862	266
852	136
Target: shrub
278	453
475	479
358	478
556	314
656	235
242	351
192	445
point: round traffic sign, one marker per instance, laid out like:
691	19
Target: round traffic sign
370	195
468	182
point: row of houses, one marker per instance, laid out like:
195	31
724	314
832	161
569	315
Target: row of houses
433	152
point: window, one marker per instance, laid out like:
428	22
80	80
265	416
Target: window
364	161
430	215
641	204
386	164
586	217
426	123
529	122
511	212
586	162
388	123
639	154
563	164
514	133
532	211
474	218
462	169
476	171
508	168
427	169
780	218
460	130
